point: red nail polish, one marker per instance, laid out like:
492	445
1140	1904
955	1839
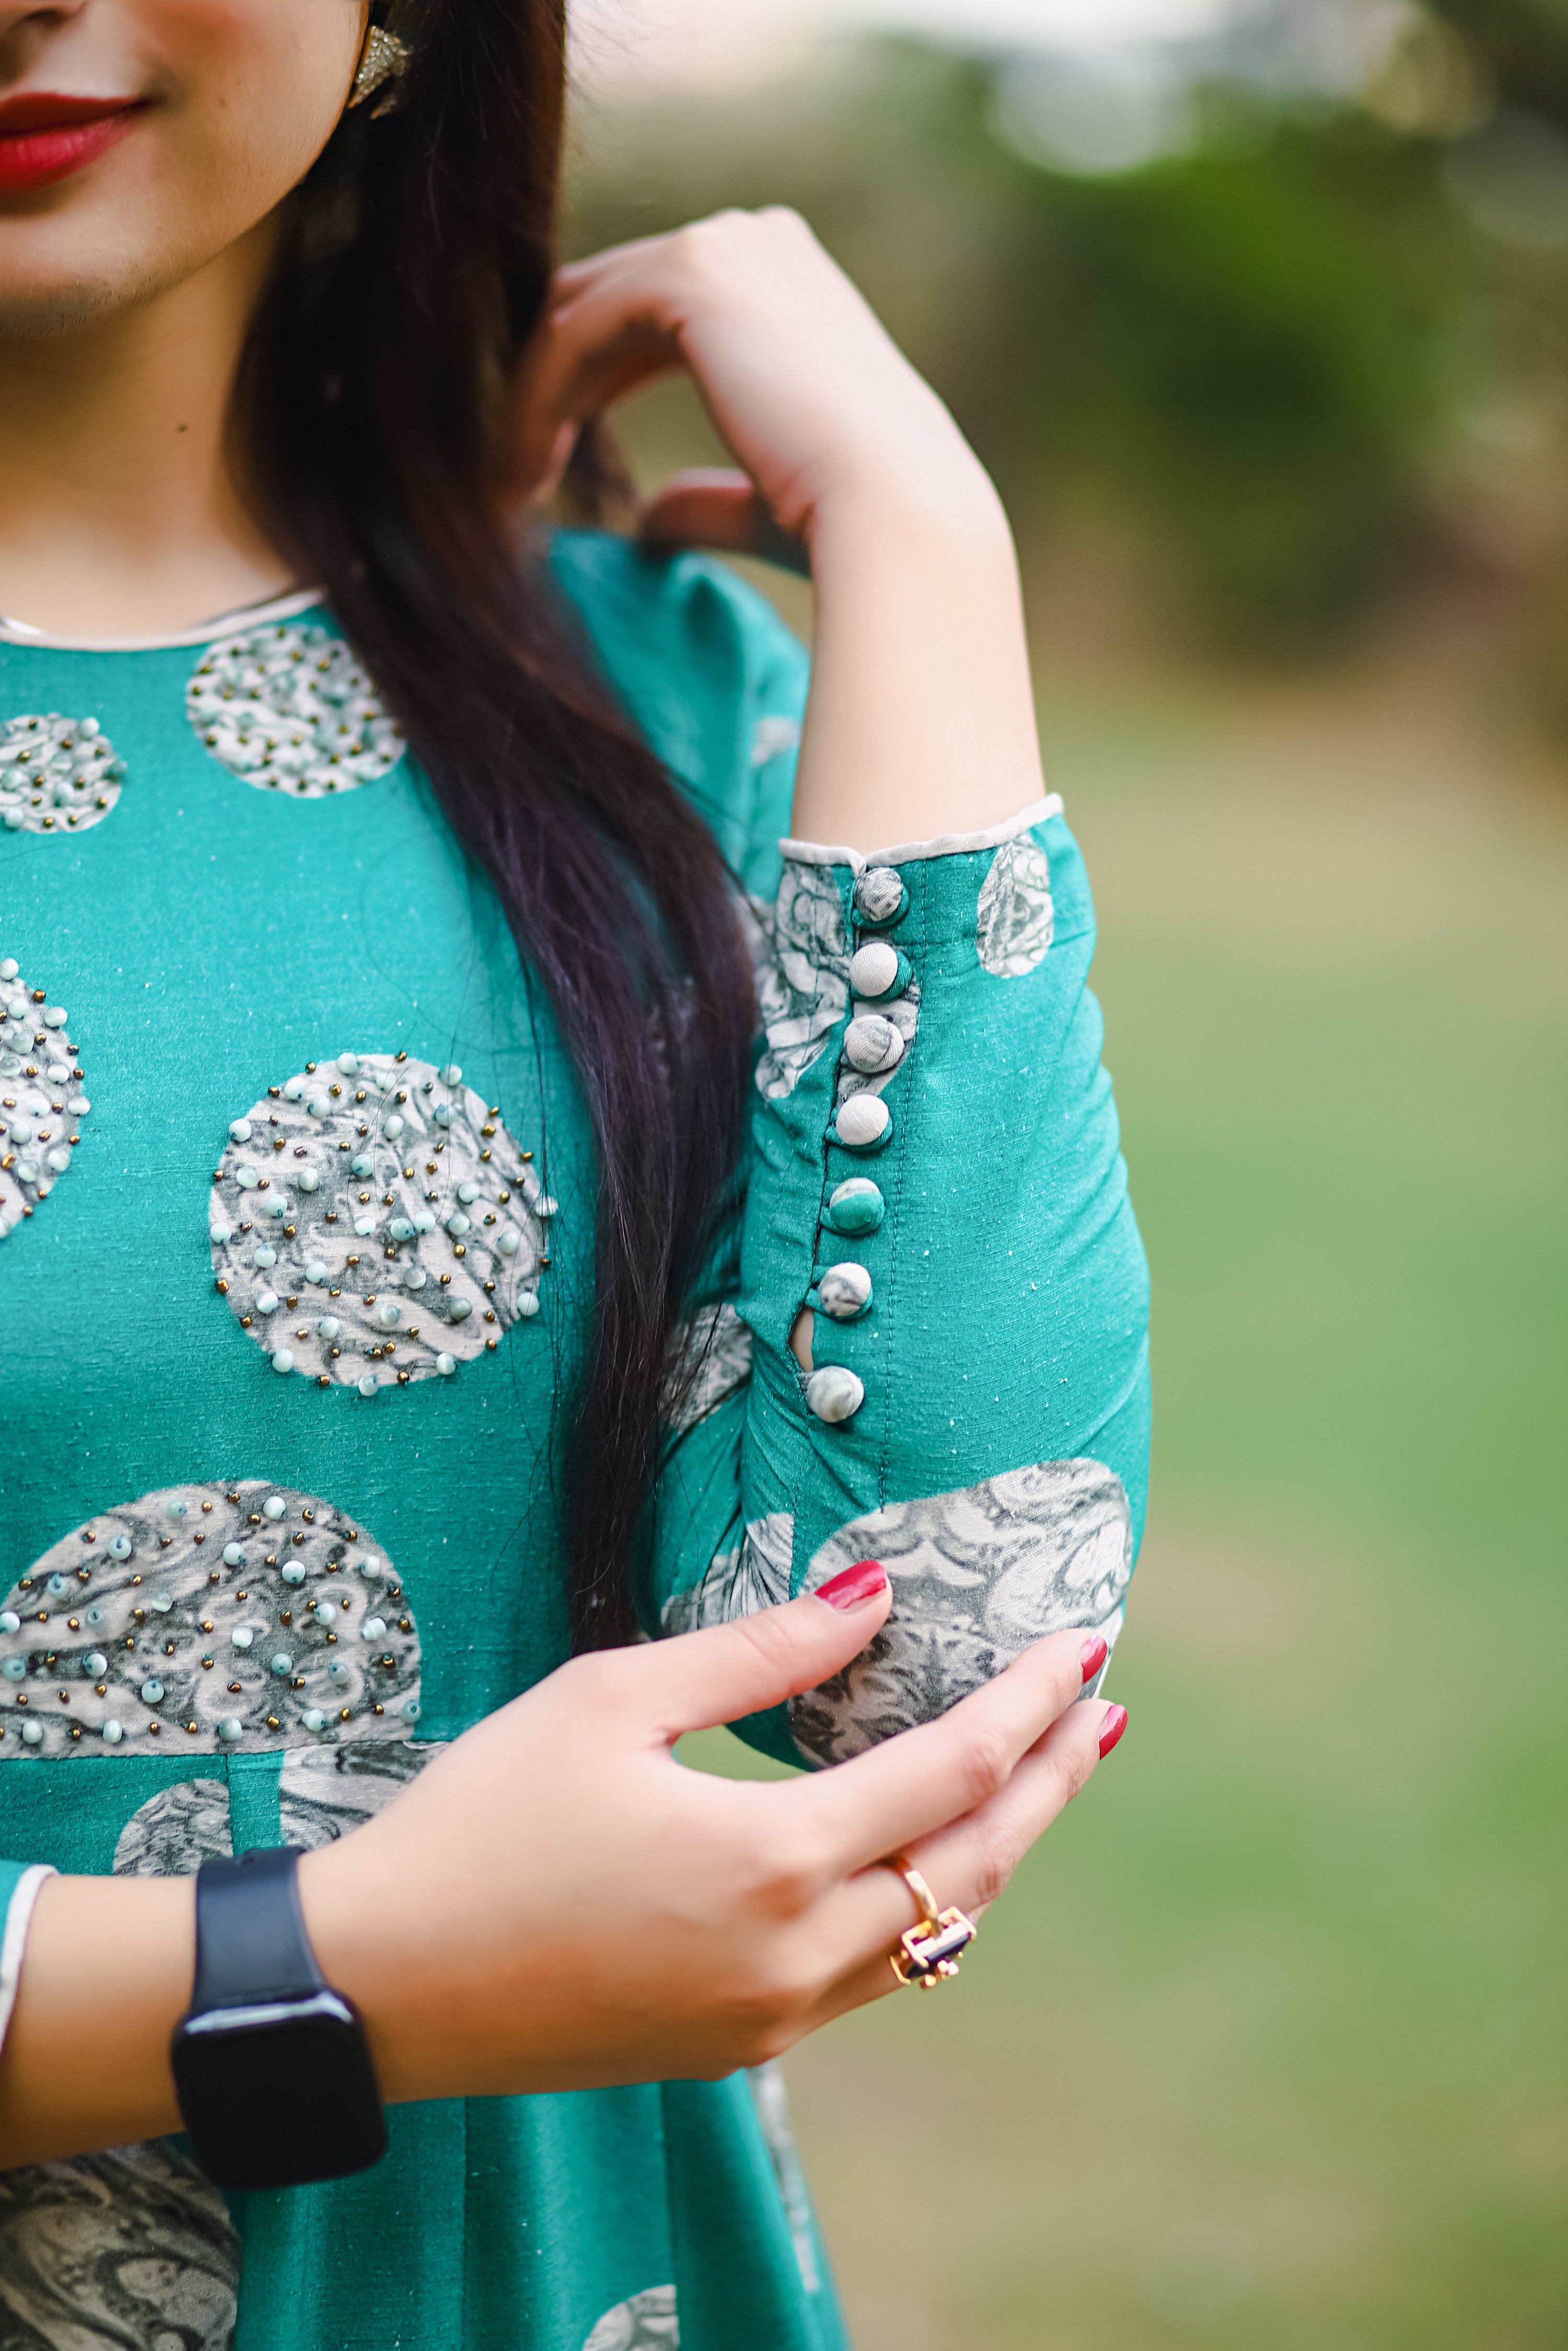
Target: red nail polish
1113	1726
1093	1655
858	1583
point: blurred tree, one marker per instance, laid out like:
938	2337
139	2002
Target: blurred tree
1524	44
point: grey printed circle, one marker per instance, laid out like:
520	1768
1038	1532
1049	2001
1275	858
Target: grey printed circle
57	774
645	2322
373	1222
213	1618
1013	920
289	709
41	1100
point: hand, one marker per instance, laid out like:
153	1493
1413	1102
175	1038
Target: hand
556	1903
802	382
921	719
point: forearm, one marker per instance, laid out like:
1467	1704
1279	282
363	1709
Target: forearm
85	2062
921	719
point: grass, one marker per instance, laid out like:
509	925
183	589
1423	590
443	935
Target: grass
1265	2046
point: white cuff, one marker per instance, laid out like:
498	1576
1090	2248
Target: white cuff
14	1940
909	853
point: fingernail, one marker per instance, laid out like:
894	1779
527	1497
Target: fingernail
855	1585
1092	1655
1113	1726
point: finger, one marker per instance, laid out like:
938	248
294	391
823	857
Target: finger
966	1866
718	507
696	1681
924	1778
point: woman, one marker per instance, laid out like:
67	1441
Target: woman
400	923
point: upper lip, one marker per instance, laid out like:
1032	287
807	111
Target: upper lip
48	111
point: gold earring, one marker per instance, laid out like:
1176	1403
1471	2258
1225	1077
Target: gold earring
382	58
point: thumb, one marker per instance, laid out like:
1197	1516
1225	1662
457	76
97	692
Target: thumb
700	1679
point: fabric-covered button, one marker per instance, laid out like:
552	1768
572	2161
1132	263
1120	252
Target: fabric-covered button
844	1292
879	895
871	1044
878	970
865	1123
856	1205
834	1394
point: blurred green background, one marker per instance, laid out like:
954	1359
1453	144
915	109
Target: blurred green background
1265	341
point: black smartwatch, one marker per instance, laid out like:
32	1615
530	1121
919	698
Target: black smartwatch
271	2066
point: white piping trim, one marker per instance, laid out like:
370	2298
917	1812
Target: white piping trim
14	1942
910	853
226	625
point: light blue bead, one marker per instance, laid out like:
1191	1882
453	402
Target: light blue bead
528	1304
283	1664
266	1302
458	1224
240	1130
415	1278
9	1621
424	1221
275	1207
233	1555
328	1327
94	1615
58	1586
31	1735
291	1571
176	1510
319	1106
264	1257
315	1271
162	1601
364	1227
409	1709
368	1385
151	1691
113	1732
313	1719
246	1178
372	1628
282	1362
243	1635
222	1234
15	1669
441	1115
338	1669
349	1063
119	1547
362	1164
509	1240
97	1664
458	1310
230	1728
447	1365
306	1180
452	1075
274	1507
388	1316
401	1229
392	1127
468	1194
294	1091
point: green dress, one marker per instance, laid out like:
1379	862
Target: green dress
296	1247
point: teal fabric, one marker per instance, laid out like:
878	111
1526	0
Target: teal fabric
207	938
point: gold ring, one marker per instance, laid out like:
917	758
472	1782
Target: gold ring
928	1951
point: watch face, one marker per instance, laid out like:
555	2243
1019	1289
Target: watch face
279	2093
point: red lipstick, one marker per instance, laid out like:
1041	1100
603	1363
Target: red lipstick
45	136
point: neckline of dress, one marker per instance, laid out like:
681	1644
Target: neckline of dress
242	617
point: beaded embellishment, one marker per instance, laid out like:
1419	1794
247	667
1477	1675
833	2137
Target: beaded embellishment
57	774
373	1222
220	1619
288	708
40	1096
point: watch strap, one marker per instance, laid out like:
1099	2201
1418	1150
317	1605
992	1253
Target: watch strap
251	1943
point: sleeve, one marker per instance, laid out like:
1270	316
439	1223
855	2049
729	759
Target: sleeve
933	1167
19	1883
935	1170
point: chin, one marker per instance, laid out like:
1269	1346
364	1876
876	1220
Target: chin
59	281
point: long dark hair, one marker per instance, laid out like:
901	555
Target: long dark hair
368	422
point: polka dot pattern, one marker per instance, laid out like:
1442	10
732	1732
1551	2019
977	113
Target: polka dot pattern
57	774
373	1223
288	708
41	1100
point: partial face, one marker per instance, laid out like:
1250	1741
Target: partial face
139	138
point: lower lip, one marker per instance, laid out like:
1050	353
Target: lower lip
36	159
